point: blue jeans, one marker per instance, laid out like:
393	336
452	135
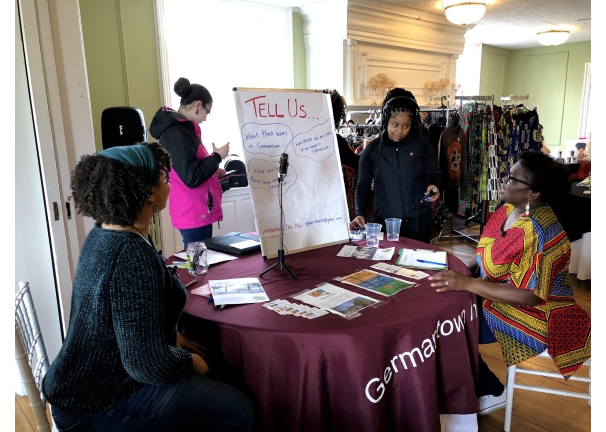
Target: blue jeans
196	404
196	234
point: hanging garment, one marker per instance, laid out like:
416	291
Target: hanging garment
452	155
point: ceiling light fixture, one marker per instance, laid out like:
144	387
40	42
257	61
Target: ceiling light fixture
464	12
553	37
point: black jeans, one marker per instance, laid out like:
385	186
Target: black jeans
195	404
417	228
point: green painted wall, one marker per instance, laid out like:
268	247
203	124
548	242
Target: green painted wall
494	72
552	76
121	57
298	51
553	67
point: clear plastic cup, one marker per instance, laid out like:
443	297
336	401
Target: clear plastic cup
372	234
392	226
196	258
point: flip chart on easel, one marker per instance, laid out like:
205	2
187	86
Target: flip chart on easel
299	123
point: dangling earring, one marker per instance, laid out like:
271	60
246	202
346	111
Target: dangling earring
196	110
152	208
527	213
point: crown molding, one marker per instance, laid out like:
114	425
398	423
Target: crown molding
386	24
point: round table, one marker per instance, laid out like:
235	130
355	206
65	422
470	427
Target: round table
396	367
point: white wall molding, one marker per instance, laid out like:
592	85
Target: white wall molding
324	29
408	45
386	24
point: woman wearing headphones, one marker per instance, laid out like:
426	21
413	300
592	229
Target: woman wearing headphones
403	165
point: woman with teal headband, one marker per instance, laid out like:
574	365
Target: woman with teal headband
123	365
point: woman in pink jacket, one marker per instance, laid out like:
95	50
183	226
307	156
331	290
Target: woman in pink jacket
195	197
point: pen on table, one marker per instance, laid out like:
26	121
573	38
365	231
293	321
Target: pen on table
432	262
188	284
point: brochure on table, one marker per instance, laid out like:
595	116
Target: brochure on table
337	300
423	259
401	271
360	252
376	282
237	291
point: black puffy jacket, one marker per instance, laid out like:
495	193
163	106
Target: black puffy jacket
403	172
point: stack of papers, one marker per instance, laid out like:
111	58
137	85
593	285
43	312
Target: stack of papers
423	259
237	291
284	307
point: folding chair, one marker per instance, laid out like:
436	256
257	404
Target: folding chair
511	375
30	354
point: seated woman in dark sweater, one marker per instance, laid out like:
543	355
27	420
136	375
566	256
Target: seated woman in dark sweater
123	365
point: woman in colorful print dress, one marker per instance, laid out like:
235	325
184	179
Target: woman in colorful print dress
523	257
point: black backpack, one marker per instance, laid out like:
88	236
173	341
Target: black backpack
239	178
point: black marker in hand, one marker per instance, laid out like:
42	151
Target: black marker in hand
428	195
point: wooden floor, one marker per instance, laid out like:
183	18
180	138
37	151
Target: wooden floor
532	411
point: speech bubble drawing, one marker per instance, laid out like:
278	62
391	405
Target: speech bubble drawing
269	139
264	174
317	143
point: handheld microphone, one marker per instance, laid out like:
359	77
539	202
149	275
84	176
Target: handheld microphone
429	194
283	167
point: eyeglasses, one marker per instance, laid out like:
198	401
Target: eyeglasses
207	110
508	177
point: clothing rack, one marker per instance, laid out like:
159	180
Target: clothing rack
444	108
484	203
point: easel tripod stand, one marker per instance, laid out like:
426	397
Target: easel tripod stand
283	266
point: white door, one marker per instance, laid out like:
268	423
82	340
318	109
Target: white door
40	241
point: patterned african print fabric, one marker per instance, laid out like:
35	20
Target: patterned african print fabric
534	254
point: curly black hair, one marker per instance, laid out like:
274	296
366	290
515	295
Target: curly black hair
339	107
112	192
546	175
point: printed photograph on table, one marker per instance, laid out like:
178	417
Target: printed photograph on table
370	253
353	306
237	291
376	282
336	300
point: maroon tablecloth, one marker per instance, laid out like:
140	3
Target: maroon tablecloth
394	368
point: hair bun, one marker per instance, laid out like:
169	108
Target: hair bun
182	87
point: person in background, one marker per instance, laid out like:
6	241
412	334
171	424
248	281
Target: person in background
339	111
123	365
541	140
195	200
404	168
523	257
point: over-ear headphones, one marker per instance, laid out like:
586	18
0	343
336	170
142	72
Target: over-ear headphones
388	108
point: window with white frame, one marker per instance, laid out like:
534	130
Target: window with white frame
222	44
585	123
